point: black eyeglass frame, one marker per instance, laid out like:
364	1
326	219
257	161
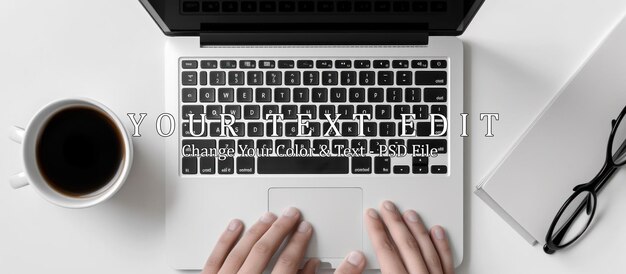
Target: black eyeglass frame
593	187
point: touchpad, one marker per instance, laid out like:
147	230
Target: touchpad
335	213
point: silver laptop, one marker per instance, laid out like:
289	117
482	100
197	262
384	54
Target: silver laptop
301	103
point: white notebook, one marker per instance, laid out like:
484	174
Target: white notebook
564	147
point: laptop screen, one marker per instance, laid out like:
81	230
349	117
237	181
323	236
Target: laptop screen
191	17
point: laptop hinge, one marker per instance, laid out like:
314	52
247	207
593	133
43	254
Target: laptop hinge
208	39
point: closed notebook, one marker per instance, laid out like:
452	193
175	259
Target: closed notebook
564	147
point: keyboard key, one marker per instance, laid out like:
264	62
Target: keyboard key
349	129
282	145
438	64
267	64
400	64
420	161
292	78
208	64
213	112
327	109
274	78
435	95
343	64
239	128
228	64
348	78
382	165
234	110
227	144
255	129
419	64
314	129
370	129
245	165
244	95
398	110
330	78
282	95
362	165
420	169
375	145
365	109
387	129
413	95
381	64
247	64
383	111
394	95
226	95
269	109
286	64
346	112
196	110
215	129
385	78
207	165
255	78
189	78
301	144
331	131
305	63
189	95
190	165
320	95
226	166
362	64
309	109
427	78
338	146
203	78
404	78
366	78
324	64
357	95
263	95
311	78
338	95
301	95
198	130
426	145
420	111
396	142
269	129
291	129
289	112
235	78
189	64
360	144
303	165
439	109
217	78
401	169
265	146
438	169
375	95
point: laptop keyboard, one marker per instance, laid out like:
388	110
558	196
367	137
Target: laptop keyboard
330	92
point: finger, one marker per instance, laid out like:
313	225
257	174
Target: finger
264	248
237	256
289	260
442	245
407	246
226	242
354	263
387	255
310	267
419	231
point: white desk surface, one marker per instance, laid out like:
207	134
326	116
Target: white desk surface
518	55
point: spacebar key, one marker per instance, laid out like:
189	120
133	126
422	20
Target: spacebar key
303	165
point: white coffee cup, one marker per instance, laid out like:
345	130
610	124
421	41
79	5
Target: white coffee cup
32	176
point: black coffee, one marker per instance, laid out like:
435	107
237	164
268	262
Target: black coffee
79	151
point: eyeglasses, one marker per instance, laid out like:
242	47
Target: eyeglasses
577	212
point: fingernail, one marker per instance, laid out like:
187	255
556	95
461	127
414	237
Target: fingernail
389	206
267	218
355	258
290	212
372	213
304	227
412	216
439	233
233	225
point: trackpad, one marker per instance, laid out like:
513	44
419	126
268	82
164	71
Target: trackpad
335	213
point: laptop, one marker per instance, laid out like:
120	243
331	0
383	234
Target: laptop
264	100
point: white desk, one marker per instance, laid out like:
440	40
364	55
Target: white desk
518	54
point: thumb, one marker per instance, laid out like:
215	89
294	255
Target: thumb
354	263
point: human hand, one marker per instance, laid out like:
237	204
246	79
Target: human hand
252	253
404	245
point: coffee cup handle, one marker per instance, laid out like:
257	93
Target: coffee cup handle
18	180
